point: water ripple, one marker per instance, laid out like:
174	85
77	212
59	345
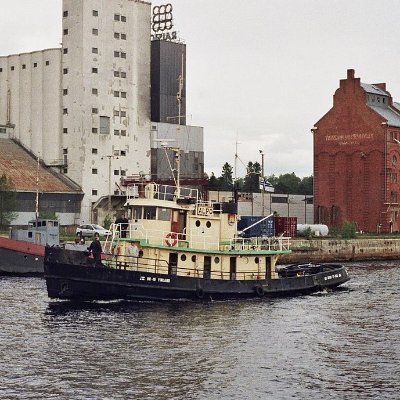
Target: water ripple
338	345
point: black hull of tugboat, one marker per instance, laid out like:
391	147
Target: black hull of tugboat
78	280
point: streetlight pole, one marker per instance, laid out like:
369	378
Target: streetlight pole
110	157
263	181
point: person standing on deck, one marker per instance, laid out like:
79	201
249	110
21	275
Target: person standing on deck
95	249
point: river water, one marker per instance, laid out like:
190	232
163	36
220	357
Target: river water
340	345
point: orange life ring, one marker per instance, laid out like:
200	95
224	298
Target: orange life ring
171	239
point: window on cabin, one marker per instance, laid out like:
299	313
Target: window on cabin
149	213
164	214
137	212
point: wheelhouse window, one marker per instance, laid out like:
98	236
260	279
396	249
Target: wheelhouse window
137	212
149	213
164	214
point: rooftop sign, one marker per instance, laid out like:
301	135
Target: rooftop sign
162	23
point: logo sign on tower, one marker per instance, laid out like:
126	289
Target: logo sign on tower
162	23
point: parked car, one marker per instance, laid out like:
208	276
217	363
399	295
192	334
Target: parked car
90	230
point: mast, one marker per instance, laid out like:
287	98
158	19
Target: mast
178	150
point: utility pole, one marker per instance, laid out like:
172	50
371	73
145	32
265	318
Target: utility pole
263	181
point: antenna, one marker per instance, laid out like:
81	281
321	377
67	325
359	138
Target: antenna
236	158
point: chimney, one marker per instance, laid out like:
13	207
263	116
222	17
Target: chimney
381	86
350	74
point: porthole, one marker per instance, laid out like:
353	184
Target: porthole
194	258
208	224
216	260
197	223
256	260
183	257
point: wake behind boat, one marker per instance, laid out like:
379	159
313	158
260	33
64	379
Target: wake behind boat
177	246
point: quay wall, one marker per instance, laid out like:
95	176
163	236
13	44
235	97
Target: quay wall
332	250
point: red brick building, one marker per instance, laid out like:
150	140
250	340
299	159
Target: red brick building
357	158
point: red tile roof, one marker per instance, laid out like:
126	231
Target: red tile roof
19	166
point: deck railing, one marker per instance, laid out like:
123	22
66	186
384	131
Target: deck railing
193	240
160	192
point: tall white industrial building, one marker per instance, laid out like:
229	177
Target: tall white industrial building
85	108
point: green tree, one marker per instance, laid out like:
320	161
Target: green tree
107	221
7	201
287	184
306	185
48	215
226	180
213	182
252	179
348	230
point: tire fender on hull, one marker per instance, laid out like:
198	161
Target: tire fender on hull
200	293
259	291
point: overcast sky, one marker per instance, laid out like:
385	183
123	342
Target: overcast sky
260	72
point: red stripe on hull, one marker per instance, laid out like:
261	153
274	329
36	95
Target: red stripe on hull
25	247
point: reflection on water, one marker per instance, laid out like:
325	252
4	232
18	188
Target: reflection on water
338	345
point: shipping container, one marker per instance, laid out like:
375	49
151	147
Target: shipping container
286	226
264	228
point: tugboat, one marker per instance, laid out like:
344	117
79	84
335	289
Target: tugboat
177	246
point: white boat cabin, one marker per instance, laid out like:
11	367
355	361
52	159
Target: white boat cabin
172	231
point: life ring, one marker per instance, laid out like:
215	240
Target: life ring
171	239
259	291
200	293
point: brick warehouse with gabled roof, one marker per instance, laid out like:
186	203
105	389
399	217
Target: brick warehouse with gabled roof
357	158
56	193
